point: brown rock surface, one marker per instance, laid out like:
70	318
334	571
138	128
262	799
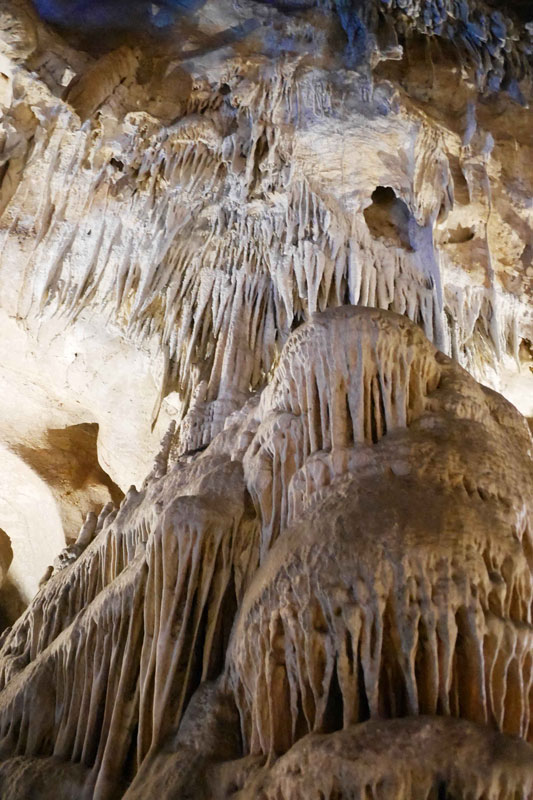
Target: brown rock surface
419	758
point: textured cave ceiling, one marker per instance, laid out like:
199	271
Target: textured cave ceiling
266	388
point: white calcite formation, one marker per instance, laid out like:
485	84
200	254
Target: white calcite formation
294	246
366	523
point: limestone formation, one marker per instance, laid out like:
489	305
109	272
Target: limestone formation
266	474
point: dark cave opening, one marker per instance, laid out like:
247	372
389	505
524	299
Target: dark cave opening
387	217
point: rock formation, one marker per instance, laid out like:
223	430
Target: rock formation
293	243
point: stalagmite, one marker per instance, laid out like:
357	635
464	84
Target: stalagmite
269	265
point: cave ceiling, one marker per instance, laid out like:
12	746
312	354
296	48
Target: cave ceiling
266	397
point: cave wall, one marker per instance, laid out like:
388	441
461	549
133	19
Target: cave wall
266	316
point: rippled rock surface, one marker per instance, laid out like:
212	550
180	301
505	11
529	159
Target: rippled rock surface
266	473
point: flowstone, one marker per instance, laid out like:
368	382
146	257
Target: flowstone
293	244
375	553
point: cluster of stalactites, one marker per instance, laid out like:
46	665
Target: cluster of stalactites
491	40
352	623
120	666
244	247
345	379
203	238
360	609
326	645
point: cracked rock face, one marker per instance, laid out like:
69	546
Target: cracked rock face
294	246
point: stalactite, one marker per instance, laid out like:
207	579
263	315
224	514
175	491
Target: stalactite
323	588
347	607
155	610
320	257
380	624
346	378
